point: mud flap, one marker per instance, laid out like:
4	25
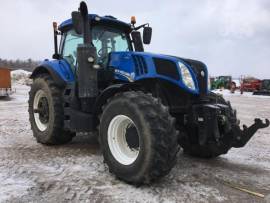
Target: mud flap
241	137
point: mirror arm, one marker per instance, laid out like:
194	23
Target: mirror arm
141	26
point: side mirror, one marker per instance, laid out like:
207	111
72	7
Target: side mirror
147	35
137	41
77	22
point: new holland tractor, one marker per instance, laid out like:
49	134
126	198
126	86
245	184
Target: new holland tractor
144	106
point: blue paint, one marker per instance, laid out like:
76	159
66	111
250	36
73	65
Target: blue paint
124	67
123	61
62	68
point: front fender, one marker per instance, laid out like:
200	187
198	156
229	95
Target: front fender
59	70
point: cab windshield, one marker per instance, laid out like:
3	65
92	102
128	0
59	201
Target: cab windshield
105	39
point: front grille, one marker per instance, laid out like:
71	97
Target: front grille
198	67
167	68
140	65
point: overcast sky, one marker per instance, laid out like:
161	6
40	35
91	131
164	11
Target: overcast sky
230	36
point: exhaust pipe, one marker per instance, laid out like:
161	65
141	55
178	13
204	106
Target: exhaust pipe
86	57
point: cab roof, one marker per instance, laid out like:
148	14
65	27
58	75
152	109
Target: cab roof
95	19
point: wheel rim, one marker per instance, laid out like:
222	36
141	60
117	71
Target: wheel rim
123	139
41	110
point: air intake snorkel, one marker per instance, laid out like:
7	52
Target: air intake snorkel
86	57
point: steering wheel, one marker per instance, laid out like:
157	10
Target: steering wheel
101	50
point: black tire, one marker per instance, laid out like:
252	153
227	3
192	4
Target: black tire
156	131
190	144
54	133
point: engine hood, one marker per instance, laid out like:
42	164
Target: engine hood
140	65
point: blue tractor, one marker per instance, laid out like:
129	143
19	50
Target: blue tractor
144	106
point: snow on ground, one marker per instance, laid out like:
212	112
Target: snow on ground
21	77
75	172
226	92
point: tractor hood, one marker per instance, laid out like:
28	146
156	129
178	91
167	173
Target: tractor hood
134	66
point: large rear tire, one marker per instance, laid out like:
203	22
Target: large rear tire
46	113
138	137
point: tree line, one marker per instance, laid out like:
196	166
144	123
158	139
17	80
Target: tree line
27	65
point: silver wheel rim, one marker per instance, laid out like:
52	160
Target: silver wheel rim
117	140
40	125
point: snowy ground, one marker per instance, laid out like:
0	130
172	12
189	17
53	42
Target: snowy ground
31	172
21	77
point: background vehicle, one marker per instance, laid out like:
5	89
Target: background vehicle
225	82
143	105
264	89
250	84
222	82
5	82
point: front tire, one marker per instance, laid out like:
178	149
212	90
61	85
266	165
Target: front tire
138	137
46	113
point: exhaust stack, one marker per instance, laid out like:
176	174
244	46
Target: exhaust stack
86	56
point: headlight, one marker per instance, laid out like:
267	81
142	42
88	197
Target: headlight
186	76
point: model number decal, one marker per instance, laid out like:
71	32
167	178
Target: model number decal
129	76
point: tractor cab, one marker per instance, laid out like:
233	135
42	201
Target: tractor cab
105	39
264	88
265	85
108	35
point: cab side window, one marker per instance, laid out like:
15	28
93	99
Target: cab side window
70	47
105	39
